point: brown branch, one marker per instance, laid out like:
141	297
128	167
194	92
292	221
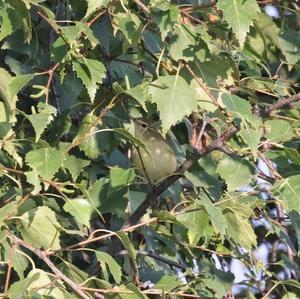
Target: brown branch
186	14
43	255
201	84
266	178
142	6
50	74
92	21
279	104
50	22
10	266
12	170
108	235
118	290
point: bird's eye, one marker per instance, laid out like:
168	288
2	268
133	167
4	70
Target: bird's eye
144	125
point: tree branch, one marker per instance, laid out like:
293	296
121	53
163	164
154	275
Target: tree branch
43	256
279	104
144	8
155	256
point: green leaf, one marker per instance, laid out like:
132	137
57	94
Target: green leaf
295	219
107	198
41	119
10	209
94	5
114	268
45	161
196	221
289	42
93	138
10	146
137	292
96	68
278	130
220	283
131	138
70	33
215	215
251	138
239	14
215	69
172	93
240	230
14	15
33	179
238	106
19	288
292	154
120	177
81	209
186	43
7	26
140	93
18	83
73	272
168	283
59	127
85	76
289	295
7	104
40	228
236	172
130	25
204	175
90	72
38	284
69	90
127	245
166	20
75	165
289	192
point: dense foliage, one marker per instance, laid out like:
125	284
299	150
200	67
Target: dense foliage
220	79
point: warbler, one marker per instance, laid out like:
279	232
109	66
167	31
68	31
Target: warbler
160	160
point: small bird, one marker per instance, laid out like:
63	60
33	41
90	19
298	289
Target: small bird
160	160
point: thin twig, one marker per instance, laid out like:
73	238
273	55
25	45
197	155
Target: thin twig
111	234
10	266
86	133
12	170
266	178
43	255
50	73
146	292
144	8
50	22
202	85
92	21
155	256
280	104
186	14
